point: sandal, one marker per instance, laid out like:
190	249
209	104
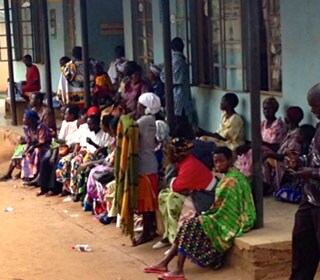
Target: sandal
152	269
107	220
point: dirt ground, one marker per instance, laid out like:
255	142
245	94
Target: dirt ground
38	235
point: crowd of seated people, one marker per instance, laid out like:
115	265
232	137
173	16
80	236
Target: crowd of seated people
118	160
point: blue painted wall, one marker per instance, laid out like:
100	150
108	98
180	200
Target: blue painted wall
103	11
301	51
56	44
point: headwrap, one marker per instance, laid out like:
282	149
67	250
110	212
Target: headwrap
121	66
155	69
93	111
163	130
295	114
151	101
32	116
177	149
107	111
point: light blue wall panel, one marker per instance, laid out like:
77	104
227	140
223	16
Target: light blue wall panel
104	12
128	32
56	43
301	50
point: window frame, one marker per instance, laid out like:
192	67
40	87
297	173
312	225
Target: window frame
204	76
36	31
143	21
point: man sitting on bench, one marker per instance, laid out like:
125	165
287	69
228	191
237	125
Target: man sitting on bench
32	83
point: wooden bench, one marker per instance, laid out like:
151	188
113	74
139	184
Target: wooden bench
21	105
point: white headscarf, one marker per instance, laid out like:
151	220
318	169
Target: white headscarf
151	102
121	66
163	131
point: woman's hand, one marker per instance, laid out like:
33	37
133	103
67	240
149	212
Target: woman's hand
74	153
291	159
303	173
218	175
89	141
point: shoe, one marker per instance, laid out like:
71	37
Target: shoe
141	240
160	244
51	193
152	269
64	193
105	220
76	198
30	183
5	178
41	192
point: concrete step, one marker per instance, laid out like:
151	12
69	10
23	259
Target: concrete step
265	253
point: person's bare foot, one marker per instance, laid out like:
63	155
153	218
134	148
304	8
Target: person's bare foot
173	274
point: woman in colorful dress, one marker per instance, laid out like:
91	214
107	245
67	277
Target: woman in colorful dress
273	131
275	162
182	175
38	139
206	238
95	190
133	88
59	148
102	92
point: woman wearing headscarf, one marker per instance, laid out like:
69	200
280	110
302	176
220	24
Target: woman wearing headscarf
275	163
185	174
148	105
38	139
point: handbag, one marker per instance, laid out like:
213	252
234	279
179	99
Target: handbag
202	200
103	177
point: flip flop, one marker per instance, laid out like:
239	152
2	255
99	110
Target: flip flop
165	276
152	269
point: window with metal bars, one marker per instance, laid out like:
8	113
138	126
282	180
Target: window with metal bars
25	29
143	33
3	38
221	45
180	26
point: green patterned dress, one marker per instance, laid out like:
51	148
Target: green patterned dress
204	239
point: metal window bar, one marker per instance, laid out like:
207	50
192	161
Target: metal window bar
3	43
